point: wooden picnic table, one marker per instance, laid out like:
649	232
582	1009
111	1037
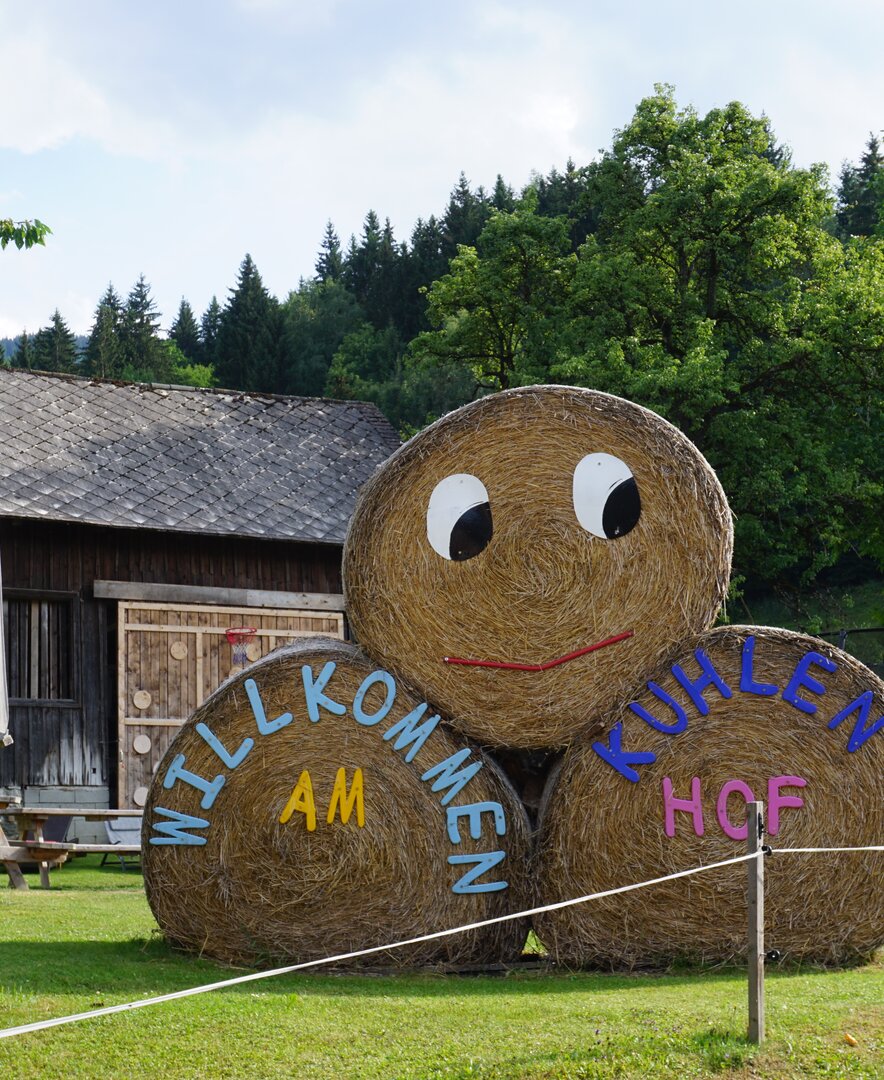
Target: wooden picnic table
32	819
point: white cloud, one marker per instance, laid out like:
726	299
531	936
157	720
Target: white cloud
46	101
238	162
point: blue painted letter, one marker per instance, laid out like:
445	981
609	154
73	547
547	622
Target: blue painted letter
747	683
483	862
620	759
681	717
174	829
406	731
695	688
230	760
860	733
313	692
209	788
474	812
370	719
265	726
801	680
450	777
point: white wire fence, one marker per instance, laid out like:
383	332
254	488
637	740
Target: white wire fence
753	856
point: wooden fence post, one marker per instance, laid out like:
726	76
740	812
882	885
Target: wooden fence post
754	840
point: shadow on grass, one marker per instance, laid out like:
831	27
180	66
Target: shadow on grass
142	967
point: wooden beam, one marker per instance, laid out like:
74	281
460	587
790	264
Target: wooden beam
154	592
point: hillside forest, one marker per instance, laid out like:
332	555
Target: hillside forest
691	268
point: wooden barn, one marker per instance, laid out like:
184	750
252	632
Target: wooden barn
138	524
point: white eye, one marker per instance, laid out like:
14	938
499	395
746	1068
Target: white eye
459	517
606	498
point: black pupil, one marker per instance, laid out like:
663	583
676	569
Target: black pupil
622	509
471	532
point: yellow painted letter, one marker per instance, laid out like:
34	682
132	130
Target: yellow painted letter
346	800
301	799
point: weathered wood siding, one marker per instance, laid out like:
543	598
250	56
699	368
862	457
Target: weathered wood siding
75	742
172	657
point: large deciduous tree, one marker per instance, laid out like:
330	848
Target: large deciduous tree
713	293
499	310
315	320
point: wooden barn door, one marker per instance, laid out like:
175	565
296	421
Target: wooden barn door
171	657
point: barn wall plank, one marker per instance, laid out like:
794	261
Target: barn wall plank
77	744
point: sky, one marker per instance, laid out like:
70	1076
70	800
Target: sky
168	139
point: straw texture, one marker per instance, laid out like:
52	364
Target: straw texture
260	891
543	586
599	830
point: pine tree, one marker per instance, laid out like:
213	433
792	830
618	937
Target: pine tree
384	299
210	324
464	218
248	336
778	154
363	259
144	358
570	194
503	197
103	357
23	357
185	332
861	193
330	262
423	264
55	347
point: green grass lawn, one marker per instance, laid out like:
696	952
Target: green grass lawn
91	941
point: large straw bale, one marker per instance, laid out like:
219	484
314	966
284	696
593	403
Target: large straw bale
600	830
544	586
259	891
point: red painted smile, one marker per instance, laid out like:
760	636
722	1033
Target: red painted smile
538	667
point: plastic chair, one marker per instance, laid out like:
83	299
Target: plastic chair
124	831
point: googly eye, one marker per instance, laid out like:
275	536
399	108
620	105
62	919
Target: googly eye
606	498
459	522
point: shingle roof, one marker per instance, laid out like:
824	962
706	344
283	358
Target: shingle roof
173	458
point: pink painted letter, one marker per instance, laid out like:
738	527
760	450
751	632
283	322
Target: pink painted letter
692	806
735	832
776	801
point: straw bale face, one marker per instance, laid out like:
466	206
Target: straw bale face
799	732
522	528
251	857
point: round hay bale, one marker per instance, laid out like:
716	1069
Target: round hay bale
274	867
772	739
523	528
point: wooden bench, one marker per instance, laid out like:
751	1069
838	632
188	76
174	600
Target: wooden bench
54	848
48	853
